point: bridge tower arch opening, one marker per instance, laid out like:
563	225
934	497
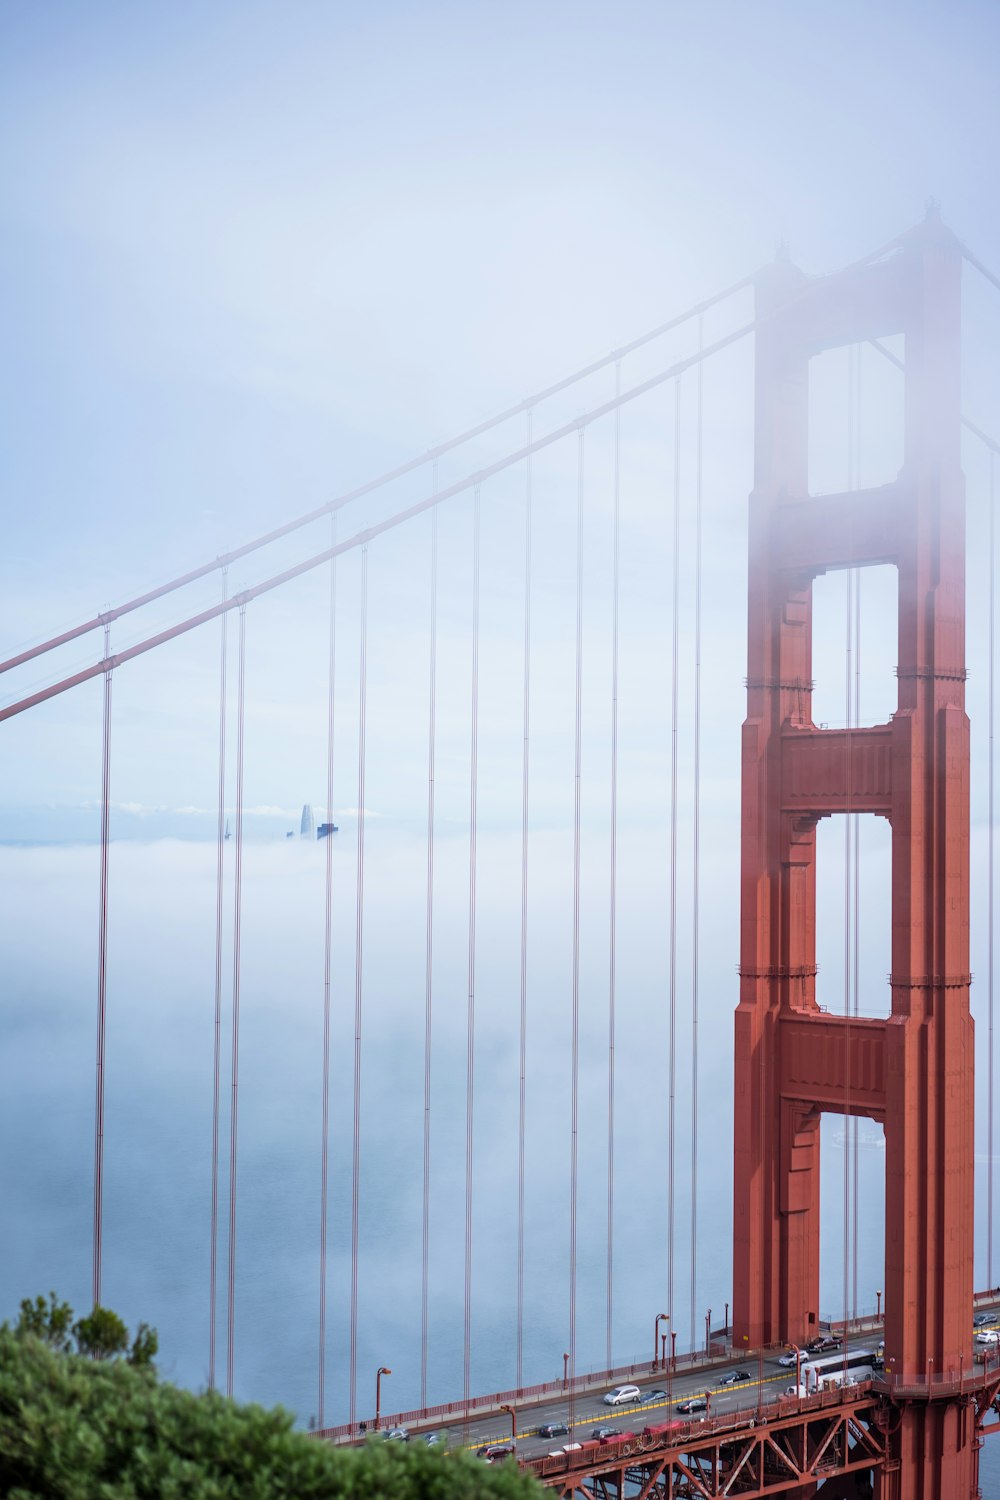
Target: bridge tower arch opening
913	1070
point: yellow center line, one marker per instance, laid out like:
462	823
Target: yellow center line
638	1410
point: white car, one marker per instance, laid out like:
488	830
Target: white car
788	1360
621	1394
988	1336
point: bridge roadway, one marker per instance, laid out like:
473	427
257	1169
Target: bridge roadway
586	1410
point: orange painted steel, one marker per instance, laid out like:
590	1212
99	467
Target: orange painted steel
913	1071
799	1443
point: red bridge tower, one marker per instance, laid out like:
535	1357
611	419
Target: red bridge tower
913	1071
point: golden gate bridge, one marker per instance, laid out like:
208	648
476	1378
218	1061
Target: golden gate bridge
915	1427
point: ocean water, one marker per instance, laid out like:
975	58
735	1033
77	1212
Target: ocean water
160	1039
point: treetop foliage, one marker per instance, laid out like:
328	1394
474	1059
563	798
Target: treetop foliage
83	1423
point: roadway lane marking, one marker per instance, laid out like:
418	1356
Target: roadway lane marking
637	1410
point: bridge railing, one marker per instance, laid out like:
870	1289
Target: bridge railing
582	1384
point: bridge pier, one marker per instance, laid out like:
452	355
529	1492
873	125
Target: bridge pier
913	1071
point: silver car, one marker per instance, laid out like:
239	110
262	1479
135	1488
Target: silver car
621	1394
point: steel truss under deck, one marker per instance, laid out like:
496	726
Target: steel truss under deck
844	1441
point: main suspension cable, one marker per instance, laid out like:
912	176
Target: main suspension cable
574	1147
278	532
217	1032
324	1170
367	534
523	1036
235	1059
102	982
425	1227
470	1061
358	986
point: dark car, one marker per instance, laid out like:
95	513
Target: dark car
649	1398
984	1320
734	1377
603	1432
824	1342
398	1435
553	1429
697	1403
495	1453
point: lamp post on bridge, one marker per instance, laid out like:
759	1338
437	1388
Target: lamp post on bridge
708	1333
878	1305
660	1318
565	1370
382	1370
663	1351
513	1424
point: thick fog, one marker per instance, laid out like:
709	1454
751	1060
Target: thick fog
249	262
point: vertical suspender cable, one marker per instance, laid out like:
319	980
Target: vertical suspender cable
470	1061
849	853
674	697
213	1274
358	989
235	1063
425	1228
102	978
856	872
613	924
575	1018
989	881
523	1039
696	833
848	912
324	1169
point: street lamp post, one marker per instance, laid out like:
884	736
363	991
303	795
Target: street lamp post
660	1318
663	1350
727	1320
565	1370
878	1305
708	1332
382	1370
513	1424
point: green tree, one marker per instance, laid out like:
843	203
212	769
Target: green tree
76	1428
102	1334
49	1321
144	1346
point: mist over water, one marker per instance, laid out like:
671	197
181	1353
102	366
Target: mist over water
159	1092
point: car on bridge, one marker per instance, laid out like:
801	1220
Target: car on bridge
398	1435
605	1432
649	1398
988	1336
734	1377
823	1343
622	1394
984	1320
553	1429
696	1403
495	1453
